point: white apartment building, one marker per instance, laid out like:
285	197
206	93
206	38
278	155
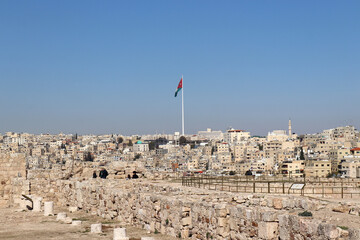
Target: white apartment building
235	136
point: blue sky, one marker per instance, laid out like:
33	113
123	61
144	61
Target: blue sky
113	66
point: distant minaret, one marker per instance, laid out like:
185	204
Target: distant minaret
290	133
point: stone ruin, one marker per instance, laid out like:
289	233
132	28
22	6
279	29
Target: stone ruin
178	211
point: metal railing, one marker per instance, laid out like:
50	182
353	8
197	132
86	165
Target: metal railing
324	187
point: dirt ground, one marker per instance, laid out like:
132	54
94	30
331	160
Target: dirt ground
20	225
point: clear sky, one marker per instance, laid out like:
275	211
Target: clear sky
113	66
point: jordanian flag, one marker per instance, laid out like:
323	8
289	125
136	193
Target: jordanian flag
178	88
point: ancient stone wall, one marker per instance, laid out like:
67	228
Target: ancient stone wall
12	175
195	213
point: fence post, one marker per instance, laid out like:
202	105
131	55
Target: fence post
268	187
237	185
222	183
254	187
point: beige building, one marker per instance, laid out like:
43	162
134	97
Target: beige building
239	152
277	135
224	157
285	155
350	167
272	145
317	168
193	163
140	147
293	168
207	150
324	147
222	147
338	154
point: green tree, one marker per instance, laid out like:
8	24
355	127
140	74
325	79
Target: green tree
212	150
120	140
88	157
130	143
261	147
152	146
137	156
302	156
182	140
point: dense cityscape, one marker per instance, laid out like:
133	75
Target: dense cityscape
331	153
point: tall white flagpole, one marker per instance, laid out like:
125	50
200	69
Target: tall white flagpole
182	106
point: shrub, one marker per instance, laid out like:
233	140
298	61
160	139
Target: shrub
305	214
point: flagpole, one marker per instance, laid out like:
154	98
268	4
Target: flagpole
182	106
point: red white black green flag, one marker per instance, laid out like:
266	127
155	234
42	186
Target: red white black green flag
179	87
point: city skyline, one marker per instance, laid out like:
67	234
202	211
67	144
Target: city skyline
287	131
112	67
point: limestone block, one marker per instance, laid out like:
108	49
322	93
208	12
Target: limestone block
48	208
354	211
37	204
185	232
288	203
73	209
163	229
147	238
186	221
309	226
96	228
270	216
268	230
284	227
186	209
343	233
68	220
152	227
269	202
328	230
222	222
232	224
221	210
254	201
120	234
157	225
263	203
354	234
341	208
223	232
248	214
76	223
61	216
277	203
